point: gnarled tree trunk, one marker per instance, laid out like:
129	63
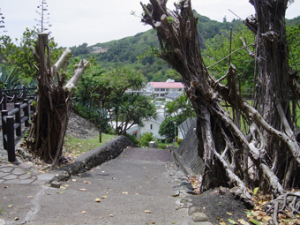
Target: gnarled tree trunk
53	104
225	148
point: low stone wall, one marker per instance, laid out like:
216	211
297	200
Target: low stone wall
93	158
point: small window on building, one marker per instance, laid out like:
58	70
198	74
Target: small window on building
151	127
162	89
156	89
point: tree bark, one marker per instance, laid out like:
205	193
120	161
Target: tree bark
225	148
53	105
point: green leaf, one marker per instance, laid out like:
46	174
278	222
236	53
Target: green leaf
255	190
232	221
254	221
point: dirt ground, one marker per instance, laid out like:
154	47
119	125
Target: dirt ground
220	207
79	127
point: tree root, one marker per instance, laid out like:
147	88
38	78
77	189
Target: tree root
287	204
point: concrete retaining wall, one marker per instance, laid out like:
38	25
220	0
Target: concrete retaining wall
187	154
94	157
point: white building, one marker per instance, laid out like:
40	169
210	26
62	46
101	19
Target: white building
160	89
152	125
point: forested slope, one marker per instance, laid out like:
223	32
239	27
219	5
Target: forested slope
135	51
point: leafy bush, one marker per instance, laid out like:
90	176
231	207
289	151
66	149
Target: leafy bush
161	146
179	141
146	138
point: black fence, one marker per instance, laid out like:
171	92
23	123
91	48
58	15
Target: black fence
13	119
15	95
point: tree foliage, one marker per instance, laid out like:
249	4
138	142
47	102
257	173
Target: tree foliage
168	127
21	57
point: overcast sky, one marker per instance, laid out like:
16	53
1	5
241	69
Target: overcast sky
96	21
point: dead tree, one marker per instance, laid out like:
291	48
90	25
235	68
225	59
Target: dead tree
53	104
233	157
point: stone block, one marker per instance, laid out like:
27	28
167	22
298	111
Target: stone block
55	184
200	217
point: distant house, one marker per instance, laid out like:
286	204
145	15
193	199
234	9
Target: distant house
97	49
160	89
152	125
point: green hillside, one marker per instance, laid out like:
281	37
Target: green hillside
127	51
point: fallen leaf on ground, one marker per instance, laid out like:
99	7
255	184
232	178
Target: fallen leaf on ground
137	193
10	206
9	164
83	212
61	192
243	222
74	180
29	196
62	187
125	192
86	182
82	189
97	200
228	213
147	211
111	215
17	218
222	223
103	171
232	221
104	197
267	218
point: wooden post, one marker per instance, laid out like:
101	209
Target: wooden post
26	112
4	128
10	139
100	125
4	102
1	99
24	93
18	119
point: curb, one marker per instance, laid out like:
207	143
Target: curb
97	156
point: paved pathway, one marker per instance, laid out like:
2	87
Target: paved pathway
23	173
135	188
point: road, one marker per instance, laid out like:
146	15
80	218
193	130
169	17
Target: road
135	188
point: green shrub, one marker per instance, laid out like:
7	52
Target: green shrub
161	146
146	138
179	141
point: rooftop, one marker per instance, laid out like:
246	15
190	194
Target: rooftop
166	84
